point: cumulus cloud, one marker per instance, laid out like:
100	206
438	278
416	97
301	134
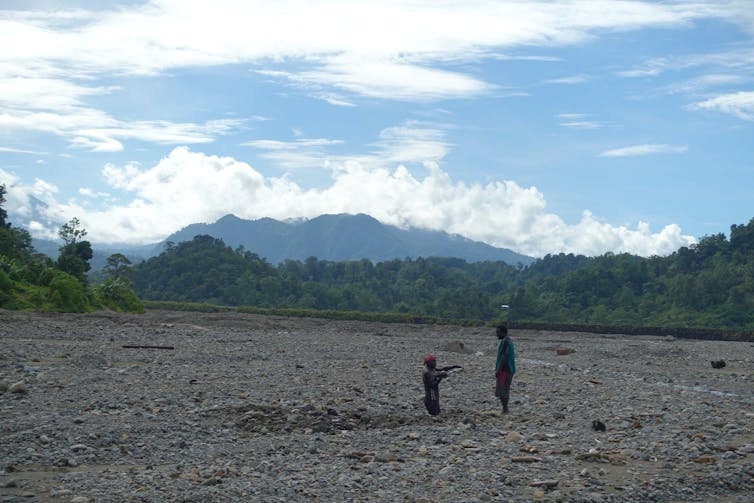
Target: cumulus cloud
739	104
188	187
645	149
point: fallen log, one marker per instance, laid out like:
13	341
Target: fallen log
549	484
145	346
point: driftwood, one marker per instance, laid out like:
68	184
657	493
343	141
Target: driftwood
549	484
145	346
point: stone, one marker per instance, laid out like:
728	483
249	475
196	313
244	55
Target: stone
18	387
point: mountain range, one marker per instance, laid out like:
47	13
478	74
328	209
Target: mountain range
327	237
344	237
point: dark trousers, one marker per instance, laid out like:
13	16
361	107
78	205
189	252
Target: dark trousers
432	402
503	387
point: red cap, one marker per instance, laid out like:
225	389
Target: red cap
429	358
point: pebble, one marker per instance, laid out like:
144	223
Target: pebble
265	408
18	387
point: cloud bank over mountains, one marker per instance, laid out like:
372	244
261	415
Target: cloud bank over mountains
189	187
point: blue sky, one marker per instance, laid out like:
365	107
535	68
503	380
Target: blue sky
542	127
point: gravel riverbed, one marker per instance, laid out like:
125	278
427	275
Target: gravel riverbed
239	407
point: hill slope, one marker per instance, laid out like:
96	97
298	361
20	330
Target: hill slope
343	237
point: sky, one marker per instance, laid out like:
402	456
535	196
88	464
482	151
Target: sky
543	127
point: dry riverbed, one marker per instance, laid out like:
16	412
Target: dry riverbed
237	407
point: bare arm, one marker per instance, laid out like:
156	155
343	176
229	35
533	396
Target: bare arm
450	367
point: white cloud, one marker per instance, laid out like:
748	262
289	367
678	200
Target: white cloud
413	142
87	192
590	234
393	80
12	150
582	124
740	59
298	154
188	187
573	79
579	121
334	99
291	145
50	61
56	105
95	130
703	82
368	48
739	104
645	149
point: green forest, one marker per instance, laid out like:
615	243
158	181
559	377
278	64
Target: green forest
707	285
710	284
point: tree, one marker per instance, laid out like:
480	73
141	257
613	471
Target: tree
118	266
3	213
72	231
15	243
742	237
74	254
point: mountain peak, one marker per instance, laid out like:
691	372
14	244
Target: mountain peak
342	237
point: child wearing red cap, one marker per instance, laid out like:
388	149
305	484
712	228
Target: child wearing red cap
431	378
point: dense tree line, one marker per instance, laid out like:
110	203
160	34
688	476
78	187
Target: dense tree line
30	280
710	284
206	270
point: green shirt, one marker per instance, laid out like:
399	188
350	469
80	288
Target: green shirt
510	355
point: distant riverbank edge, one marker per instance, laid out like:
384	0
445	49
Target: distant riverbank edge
701	333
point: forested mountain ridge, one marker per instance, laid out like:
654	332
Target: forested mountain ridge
343	237
710	284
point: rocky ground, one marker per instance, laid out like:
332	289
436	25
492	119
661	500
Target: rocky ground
235	407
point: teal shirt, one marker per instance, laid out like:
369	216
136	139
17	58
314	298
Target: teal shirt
510	356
